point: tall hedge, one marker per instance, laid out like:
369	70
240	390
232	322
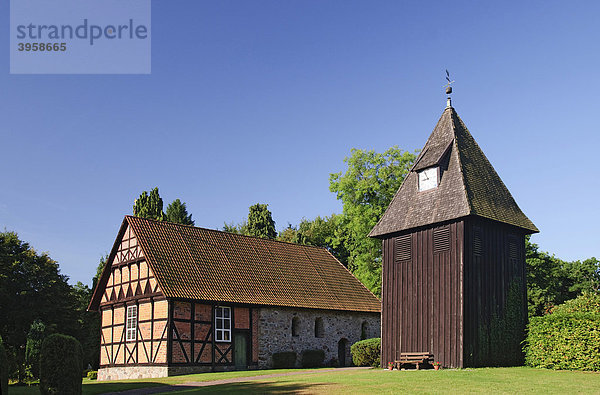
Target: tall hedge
568	338
61	365
3	370
366	352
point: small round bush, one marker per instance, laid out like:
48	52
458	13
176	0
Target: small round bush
313	358
366	352
3	370
92	375
61	365
284	360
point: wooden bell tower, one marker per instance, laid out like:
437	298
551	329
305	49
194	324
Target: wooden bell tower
454	281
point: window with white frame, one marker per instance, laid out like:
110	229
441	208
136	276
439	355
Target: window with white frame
131	327
223	324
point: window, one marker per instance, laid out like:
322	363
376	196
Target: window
364	330
131	328
295	326
441	239
223	324
319	332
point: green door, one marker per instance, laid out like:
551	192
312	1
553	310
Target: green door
241	351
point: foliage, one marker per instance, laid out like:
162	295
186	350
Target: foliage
61	365
507	329
288	234
92	375
551	281
35	337
587	302
3	370
260	222
366	189
177	213
367	352
89	325
31	288
239	229
569	338
312	358
284	360
149	205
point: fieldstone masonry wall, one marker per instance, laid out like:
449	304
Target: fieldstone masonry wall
275	332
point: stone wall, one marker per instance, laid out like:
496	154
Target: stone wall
275	332
132	372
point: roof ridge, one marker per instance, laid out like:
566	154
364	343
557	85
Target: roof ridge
224	232
460	164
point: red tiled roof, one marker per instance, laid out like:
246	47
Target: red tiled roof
205	264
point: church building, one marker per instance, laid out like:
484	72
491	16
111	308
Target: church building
454	282
177	299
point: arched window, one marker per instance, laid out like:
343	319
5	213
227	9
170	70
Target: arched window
319	332
364	330
295	326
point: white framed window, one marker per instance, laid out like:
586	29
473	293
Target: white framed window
131	324
223	324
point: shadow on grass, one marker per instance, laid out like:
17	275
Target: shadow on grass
255	388
104	388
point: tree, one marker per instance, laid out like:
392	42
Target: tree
366	189
35	337
327	232
552	281
260	222
177	212
149	205
288	234
31	287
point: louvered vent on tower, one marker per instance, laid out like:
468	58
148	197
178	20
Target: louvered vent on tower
441	239
402	248
513	248
477	241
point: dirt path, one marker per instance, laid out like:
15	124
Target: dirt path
191	384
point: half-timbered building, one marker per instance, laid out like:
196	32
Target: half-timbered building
178	299
454	282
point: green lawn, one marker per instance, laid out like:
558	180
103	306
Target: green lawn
496	380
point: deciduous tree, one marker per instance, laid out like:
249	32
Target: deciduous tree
366	189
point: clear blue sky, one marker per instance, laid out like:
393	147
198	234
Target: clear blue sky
258	101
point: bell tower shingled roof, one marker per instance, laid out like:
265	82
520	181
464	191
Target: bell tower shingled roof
468	185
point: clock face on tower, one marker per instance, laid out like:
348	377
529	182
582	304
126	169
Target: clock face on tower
428	179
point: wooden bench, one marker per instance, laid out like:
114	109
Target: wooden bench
413	358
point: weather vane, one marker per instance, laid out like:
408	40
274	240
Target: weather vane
448	88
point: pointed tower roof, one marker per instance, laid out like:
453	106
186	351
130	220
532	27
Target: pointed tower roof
468	185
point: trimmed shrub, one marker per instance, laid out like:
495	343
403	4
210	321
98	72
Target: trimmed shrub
61	365
313	358
92	375
366	352
3	370
567	338
284	360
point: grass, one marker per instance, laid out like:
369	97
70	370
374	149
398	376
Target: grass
485	380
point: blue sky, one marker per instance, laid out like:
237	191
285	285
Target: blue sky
258	101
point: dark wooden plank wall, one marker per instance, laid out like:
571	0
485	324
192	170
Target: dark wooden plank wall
422	307
488	276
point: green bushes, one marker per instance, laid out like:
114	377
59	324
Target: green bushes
284	360
92	375
313	358
61	365
568	338
3	370
366	352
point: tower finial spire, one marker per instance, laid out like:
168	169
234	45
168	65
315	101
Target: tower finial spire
448	89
